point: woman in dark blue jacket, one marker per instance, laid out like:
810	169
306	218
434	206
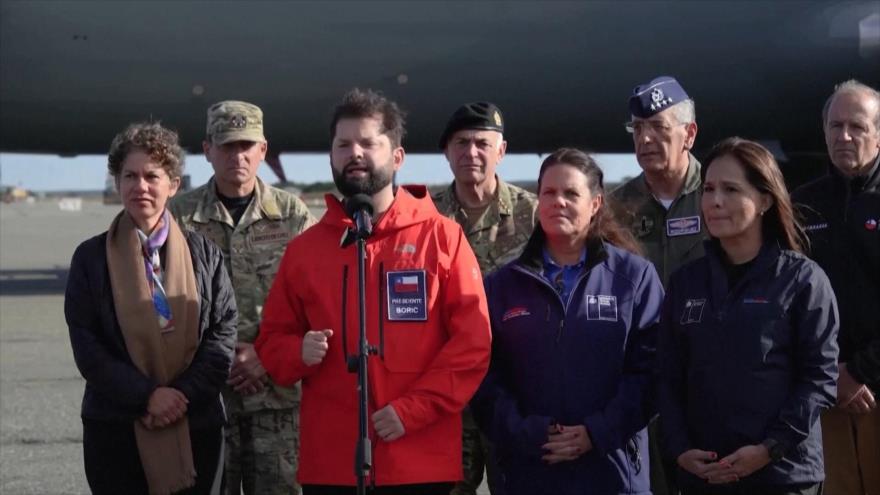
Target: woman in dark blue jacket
574	320
748	348
151	315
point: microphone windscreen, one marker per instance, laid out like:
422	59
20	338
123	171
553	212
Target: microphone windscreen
359	202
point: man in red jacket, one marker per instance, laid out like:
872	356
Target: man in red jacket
424	290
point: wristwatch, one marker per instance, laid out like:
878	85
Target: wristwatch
774	448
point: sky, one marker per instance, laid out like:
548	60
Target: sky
89	172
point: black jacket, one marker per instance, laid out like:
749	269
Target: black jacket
756	362
842	218
115	389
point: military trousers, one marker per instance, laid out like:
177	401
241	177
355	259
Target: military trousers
476	456
262	452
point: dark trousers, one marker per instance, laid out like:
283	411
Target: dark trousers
745	489
420	489
113	465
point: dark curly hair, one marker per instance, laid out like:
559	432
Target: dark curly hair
360	104
160	143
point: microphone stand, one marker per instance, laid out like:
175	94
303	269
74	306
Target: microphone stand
363	457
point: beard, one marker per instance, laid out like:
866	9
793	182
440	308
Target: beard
376	179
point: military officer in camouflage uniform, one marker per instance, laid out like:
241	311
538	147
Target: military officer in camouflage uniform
497	219
662	204
251	222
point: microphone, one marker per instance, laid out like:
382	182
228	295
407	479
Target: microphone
360	208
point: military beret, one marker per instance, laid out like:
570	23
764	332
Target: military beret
235	121
480	115
656	96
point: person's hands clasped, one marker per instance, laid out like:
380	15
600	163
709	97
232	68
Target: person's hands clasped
566	443
387	424
315	346
165	406
247	375
700	463
741	463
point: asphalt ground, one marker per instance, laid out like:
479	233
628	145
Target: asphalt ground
40	387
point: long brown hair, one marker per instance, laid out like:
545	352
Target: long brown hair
603	224
779	223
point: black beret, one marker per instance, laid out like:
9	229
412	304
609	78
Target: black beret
479	115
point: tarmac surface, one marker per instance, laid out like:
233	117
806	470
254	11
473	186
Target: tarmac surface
40	386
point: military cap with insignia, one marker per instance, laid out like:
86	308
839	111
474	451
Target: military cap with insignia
235	121
656	96
480	115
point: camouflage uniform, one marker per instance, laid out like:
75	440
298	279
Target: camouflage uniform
262	435
651	223
496	238
500	234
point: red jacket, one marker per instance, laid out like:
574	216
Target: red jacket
431	368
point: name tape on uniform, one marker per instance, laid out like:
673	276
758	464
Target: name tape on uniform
682	226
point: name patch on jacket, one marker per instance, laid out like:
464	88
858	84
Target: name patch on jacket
407	299
693	311
682	226
602	307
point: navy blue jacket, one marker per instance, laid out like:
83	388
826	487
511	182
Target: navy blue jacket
115	389
753	363
586	361
841	216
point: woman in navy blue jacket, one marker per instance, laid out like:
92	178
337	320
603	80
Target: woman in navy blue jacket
748	347
574	321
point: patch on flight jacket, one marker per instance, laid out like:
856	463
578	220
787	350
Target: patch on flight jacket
682	226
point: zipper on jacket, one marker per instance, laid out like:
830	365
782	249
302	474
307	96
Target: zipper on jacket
635	456
381	306
344	326
565	304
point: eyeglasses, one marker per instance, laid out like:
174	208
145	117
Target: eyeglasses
655	127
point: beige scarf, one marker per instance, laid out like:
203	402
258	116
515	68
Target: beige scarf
166	453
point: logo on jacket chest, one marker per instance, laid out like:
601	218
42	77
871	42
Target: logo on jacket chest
407	295
693	311
515	312
602	307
